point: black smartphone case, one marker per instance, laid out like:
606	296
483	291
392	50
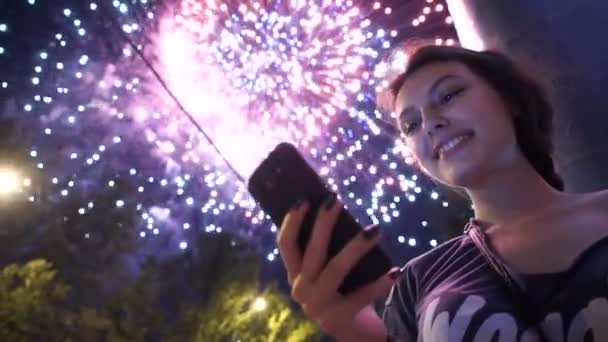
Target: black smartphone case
285	177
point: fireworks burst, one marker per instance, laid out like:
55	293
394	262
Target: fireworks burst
256	75
250	75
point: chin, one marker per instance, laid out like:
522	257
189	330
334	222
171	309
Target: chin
467	176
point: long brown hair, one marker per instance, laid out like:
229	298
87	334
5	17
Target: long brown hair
531	110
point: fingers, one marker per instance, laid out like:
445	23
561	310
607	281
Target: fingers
368	293
339	266
353	303
317	248
287	240
336	270
315	284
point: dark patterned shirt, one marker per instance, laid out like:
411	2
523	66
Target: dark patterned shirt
452	294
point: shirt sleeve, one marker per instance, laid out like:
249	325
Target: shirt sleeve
399	314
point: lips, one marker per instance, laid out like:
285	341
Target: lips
444	140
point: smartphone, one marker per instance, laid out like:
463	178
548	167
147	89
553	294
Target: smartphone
285	177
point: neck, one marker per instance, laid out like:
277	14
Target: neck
512	194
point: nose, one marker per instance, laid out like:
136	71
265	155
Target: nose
435	123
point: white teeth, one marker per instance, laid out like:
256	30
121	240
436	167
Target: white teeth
451	144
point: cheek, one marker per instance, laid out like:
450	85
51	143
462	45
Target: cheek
422	161
414	149
423	152
496	131
491	114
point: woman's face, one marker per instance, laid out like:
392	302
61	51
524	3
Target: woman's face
445	100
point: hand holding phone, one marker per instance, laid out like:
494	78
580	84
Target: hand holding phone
283	179
315	283
335	267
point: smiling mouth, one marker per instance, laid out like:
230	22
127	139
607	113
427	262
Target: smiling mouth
453	147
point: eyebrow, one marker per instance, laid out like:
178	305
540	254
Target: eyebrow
432	89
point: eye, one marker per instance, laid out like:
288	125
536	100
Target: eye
408	128
447	98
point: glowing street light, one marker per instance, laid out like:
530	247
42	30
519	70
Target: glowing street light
259	304
9	181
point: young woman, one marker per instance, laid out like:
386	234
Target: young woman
533	263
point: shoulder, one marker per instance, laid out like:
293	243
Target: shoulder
592	202
598	199
586	211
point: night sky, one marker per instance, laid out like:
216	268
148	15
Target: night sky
125	113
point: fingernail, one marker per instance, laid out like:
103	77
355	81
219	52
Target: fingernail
394	273
329	203
297	205
371	231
